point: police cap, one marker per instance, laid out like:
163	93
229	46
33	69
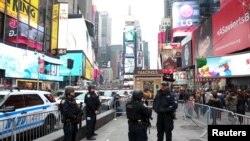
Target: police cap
69	90
91	87
137	94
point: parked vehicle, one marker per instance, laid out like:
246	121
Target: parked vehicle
22	110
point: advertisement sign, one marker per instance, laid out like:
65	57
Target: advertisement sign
225	66
129	33
2	5
54	28
129	49
25	35
63	24
231	32
24	64
89	70
129	65
186	55
27	13
77	65
185	13
204	40
180	77
169	61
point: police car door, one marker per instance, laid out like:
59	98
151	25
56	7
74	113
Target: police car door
11	120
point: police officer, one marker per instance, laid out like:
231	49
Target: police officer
165	104
138	117
70	114
92	105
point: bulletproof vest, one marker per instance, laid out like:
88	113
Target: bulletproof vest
133	111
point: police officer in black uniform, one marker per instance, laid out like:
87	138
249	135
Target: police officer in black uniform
71	114
165	104
138	117
92	106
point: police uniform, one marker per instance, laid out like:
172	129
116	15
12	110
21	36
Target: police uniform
70	117
138	118
92	105
165	104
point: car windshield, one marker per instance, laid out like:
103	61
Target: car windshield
80	96
108	93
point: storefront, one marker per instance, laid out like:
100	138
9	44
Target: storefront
148	80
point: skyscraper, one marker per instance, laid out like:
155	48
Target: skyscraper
104	39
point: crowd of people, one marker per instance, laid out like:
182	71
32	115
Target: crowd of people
236	101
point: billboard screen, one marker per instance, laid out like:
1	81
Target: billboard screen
186	55
231	32
225	66
185	13
129	49
77	65
129	65
129	34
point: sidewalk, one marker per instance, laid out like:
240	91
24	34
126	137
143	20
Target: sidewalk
117	130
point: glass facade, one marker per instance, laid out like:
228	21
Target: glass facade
27	24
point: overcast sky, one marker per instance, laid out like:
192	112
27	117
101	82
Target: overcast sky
148	12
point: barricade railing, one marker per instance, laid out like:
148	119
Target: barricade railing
203	115
30	126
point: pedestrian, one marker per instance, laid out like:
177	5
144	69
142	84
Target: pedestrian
165	104
138	115
71	114
93	103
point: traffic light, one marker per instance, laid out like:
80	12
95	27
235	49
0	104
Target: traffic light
70	63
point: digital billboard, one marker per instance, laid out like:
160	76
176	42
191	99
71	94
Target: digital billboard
225	66
231	32
62	25
129	65
29	64
129	50
185	13
77	65
129	34
186	55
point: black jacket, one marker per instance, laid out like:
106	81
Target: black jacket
165	102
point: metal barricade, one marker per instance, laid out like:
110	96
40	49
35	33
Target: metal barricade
30	126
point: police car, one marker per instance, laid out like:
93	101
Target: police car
22	110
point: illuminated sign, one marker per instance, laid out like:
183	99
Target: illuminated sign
27	11
225	66
185	13
54	28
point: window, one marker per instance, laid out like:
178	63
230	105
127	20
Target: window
50	97
32	100
15	100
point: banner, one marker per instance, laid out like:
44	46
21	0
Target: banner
129	65
54	28
225	66
231	32
139	59
89	70
63	26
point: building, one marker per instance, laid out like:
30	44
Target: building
34	61
104	39
114	59
146	55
